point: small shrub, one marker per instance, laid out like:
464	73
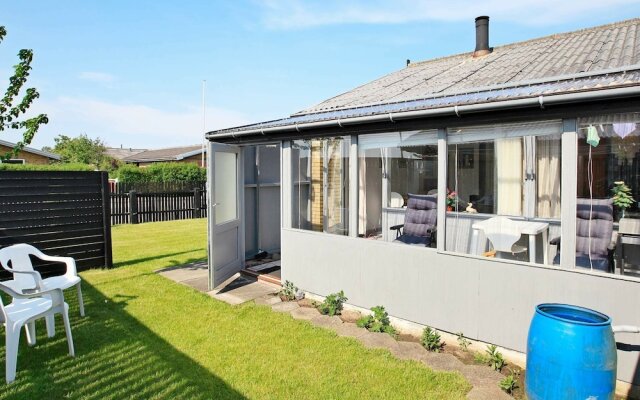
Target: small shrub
332	304
480	358
431	340
288	291
378	322
463	342
495	358
510	382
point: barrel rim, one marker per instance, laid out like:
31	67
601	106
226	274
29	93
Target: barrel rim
606	318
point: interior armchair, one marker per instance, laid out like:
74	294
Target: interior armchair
595	221
420	221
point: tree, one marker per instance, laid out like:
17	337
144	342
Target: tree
81	149
11	115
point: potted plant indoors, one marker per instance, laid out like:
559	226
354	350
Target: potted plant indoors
622	197
452	199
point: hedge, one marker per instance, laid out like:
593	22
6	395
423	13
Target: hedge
161	172
46	167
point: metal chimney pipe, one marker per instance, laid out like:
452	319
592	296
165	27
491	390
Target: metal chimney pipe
482	36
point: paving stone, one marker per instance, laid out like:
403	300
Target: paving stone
325	321
350	316
481	375
375	340
285	306
268	300
306	303
487	393
442	361
304	313
350	330
409	351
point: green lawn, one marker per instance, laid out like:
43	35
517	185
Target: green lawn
147	337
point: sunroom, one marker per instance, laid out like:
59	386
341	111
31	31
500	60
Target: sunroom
453	202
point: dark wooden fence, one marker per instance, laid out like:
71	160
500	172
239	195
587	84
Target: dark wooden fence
62	213
134	207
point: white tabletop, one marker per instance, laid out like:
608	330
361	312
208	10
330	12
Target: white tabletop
526	227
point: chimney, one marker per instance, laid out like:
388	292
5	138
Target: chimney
482	36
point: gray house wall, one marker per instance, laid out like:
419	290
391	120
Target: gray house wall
488	300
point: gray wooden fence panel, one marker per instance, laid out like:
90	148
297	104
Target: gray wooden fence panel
63	213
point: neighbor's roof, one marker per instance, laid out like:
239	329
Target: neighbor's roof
32	150
121	153
166	154
606	56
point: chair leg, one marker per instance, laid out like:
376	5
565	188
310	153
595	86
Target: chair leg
51	325
80	299
30	330
12	343
67	329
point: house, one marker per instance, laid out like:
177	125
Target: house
120	153
27	155
186	154
538	132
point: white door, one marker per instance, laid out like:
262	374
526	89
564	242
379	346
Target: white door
226	237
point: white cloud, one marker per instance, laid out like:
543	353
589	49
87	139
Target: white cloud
99	77
295	14
132	125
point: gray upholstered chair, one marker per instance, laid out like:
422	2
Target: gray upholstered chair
602	243
420	219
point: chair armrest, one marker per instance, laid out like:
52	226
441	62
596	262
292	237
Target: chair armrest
396	227
555	241
36	275
614	241
37	293
69	261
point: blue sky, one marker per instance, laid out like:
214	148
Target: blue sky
130	72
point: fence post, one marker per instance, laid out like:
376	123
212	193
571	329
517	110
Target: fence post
196	203
133	207
106	219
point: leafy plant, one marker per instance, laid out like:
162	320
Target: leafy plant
288	291
332	304
10	112
378	322
452	198
463	342
480	358
494	358
510	382
161	172
622	195
431	340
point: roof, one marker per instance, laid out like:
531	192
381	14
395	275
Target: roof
120	153
32	150
606	56
166	154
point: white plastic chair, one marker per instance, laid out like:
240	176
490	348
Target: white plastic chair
396	200
24	310
503	233
25	277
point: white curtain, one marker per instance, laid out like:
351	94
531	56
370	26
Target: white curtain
509	163
548	177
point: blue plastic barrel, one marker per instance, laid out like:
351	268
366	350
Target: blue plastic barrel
571	354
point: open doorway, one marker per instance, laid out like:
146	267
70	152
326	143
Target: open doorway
262	211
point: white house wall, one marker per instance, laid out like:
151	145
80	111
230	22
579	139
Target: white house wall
487	300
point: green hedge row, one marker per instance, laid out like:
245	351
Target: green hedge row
161	172
46	167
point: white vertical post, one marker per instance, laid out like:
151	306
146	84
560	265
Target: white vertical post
353	187
210	212
442	189
204	122
569	193
286	185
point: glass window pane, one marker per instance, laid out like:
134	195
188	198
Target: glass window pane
548	167
225	186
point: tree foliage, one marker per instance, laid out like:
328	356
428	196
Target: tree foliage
81	149
12	110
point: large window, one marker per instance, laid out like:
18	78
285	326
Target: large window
511	171
320	170
391	166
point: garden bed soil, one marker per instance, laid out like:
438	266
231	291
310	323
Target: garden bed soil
468	358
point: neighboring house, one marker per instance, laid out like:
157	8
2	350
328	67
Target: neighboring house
28	155
120	153
533	131
186	154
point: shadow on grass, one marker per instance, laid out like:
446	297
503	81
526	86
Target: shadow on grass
117	358
152	258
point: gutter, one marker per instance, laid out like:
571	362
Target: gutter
539	101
